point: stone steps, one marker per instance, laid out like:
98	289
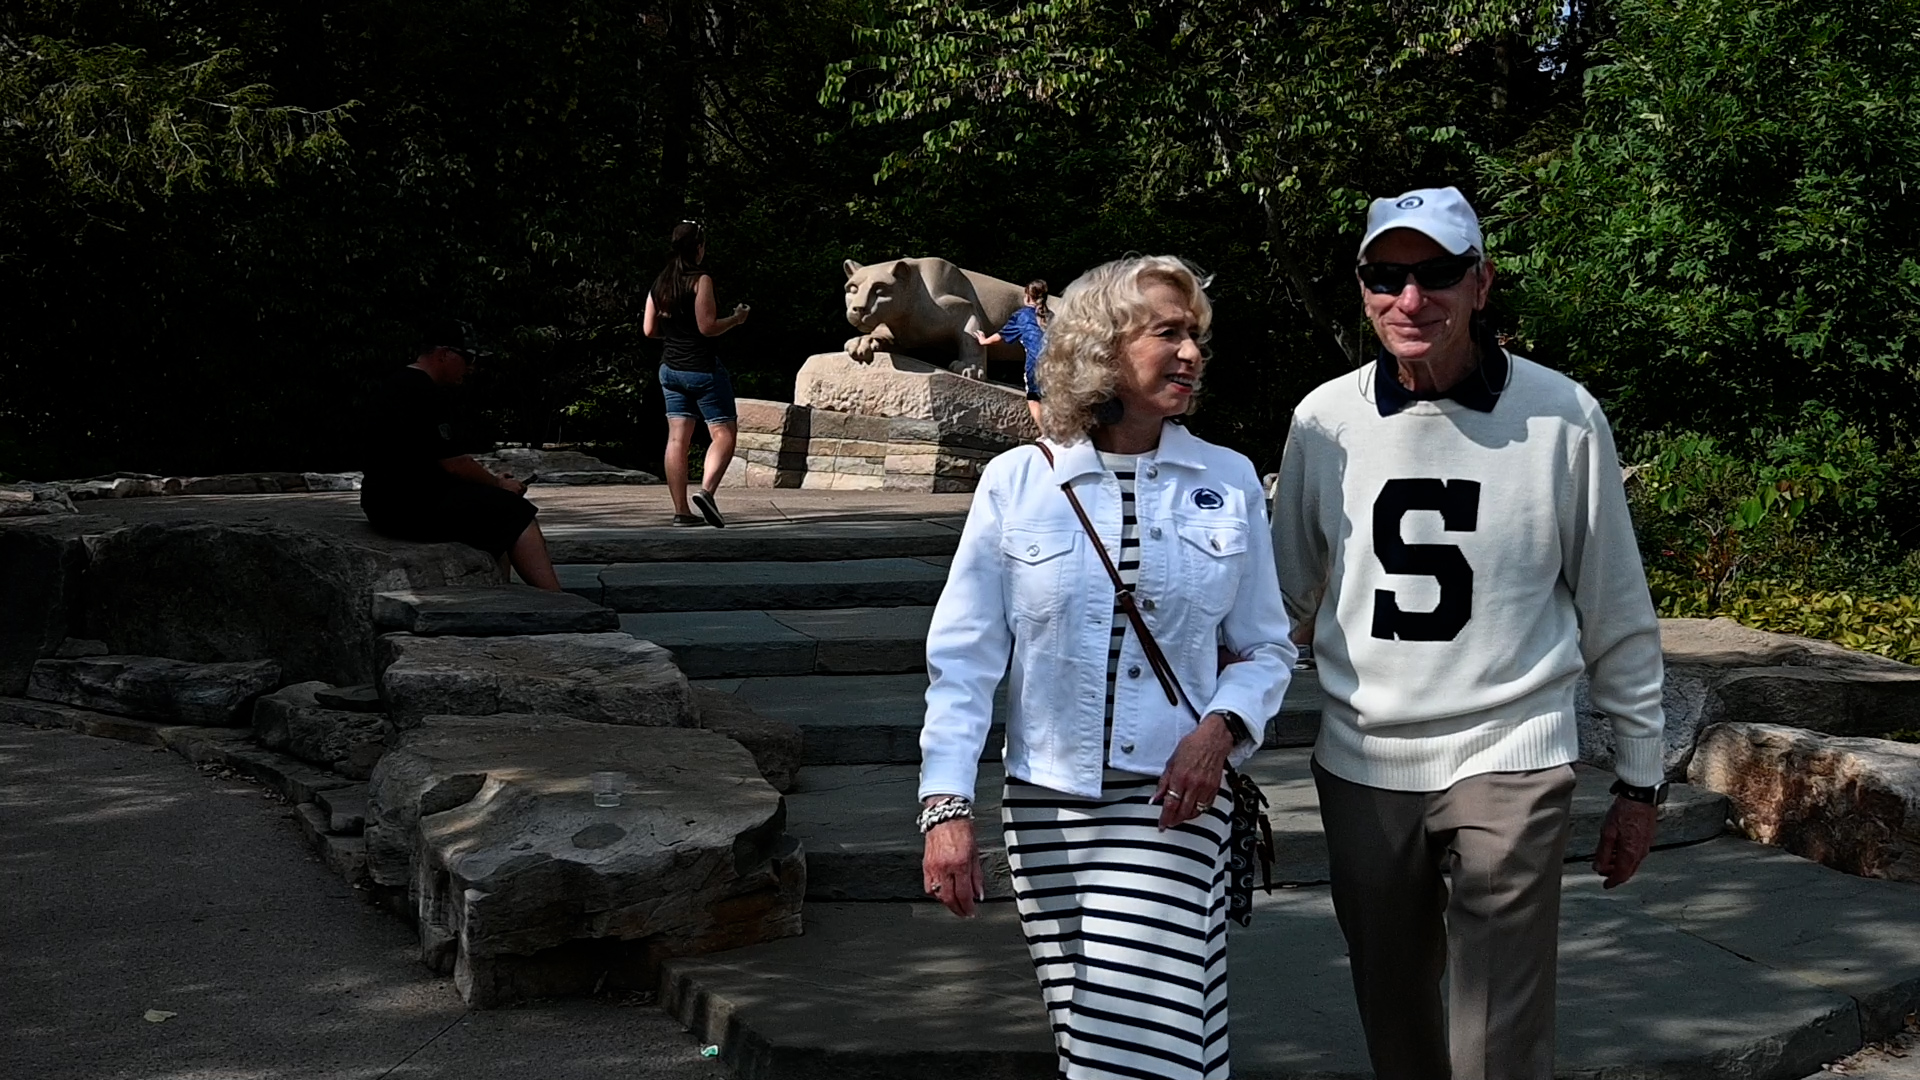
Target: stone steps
497	610
856	822
875	719
1723	959
738	644
746	586
808	540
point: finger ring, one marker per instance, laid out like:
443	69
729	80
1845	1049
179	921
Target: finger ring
934	888
1175	794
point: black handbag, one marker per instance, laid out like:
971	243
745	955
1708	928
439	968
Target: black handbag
1250	836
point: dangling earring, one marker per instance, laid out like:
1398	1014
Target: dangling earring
1109	412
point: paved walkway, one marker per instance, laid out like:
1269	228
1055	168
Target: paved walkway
133	882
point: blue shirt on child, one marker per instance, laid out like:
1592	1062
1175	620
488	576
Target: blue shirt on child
1024	327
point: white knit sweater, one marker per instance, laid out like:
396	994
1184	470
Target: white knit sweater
1465	568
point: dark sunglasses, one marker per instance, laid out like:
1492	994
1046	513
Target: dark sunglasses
1390	279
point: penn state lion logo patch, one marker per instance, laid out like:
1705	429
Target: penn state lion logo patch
1208	499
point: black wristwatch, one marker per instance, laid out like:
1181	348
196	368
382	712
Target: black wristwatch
1652	796
1236	727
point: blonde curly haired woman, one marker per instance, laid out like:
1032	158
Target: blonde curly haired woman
1115	812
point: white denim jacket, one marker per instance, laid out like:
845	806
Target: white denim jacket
1026	583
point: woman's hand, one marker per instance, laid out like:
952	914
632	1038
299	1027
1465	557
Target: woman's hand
740	313
1192	777
950	871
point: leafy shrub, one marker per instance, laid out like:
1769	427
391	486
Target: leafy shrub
1889	626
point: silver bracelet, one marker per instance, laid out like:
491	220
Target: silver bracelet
947	809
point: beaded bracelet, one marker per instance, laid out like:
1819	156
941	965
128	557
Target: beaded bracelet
947	809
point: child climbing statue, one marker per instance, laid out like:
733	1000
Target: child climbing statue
1028	326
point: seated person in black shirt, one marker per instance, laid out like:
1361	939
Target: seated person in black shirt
418	483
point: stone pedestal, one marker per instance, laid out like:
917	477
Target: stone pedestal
895	424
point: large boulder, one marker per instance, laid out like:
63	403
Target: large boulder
207	591
776	745
1850	803
42	563
609	678
1718	671
155	688
348	741
523	887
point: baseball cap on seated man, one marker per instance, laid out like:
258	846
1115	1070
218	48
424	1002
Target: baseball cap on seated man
1439	213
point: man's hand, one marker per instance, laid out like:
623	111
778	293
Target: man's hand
507	481
1192	776
1625	840
950	870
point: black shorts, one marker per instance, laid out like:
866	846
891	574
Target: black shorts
488	518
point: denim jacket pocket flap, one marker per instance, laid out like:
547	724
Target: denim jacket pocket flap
1217	539
1033	546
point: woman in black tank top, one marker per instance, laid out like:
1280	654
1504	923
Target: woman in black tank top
682	312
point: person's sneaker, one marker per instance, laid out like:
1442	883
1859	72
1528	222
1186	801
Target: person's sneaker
703	502
689	519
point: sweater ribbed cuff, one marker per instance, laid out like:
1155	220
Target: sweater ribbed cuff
1638	759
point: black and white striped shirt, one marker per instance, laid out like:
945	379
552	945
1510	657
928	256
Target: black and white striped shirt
1123	467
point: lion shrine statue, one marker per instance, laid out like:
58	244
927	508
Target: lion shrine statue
928	304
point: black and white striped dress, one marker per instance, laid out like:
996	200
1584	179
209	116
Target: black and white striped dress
1126	924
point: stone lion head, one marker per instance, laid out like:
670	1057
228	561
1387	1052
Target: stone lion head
873	292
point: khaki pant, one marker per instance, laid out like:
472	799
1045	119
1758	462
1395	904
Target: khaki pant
1501	837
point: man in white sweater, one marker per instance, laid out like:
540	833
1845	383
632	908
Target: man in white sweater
1453	516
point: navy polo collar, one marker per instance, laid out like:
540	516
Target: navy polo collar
1479	391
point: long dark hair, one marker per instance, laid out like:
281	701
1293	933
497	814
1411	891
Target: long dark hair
1036	292
676	282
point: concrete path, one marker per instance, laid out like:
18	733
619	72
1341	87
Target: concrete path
1725	959
134	882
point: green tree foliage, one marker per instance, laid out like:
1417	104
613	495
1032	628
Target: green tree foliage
1731	228
1300	112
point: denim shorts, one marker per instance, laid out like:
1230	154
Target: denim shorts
712	392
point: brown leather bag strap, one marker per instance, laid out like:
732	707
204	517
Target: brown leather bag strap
1123	595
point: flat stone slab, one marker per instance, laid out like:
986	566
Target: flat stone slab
711	586
857	824
155	688
855	719
859	640
1647	990
524	886
740	644
712	644
875	719
49	714
788	541
349	742
364	697
609	678
495	610
582	580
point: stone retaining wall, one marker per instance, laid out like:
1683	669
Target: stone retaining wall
784	445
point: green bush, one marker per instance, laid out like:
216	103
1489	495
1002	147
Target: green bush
1887	625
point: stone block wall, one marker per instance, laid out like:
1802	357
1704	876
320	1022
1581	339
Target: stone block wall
794	446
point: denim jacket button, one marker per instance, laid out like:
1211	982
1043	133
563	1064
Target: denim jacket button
1154	532
1146	605
1126	748
1033	549
1133	672
1153	471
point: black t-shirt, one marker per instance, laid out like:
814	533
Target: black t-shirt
687	349
410	431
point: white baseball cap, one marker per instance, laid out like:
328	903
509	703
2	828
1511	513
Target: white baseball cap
1439	213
